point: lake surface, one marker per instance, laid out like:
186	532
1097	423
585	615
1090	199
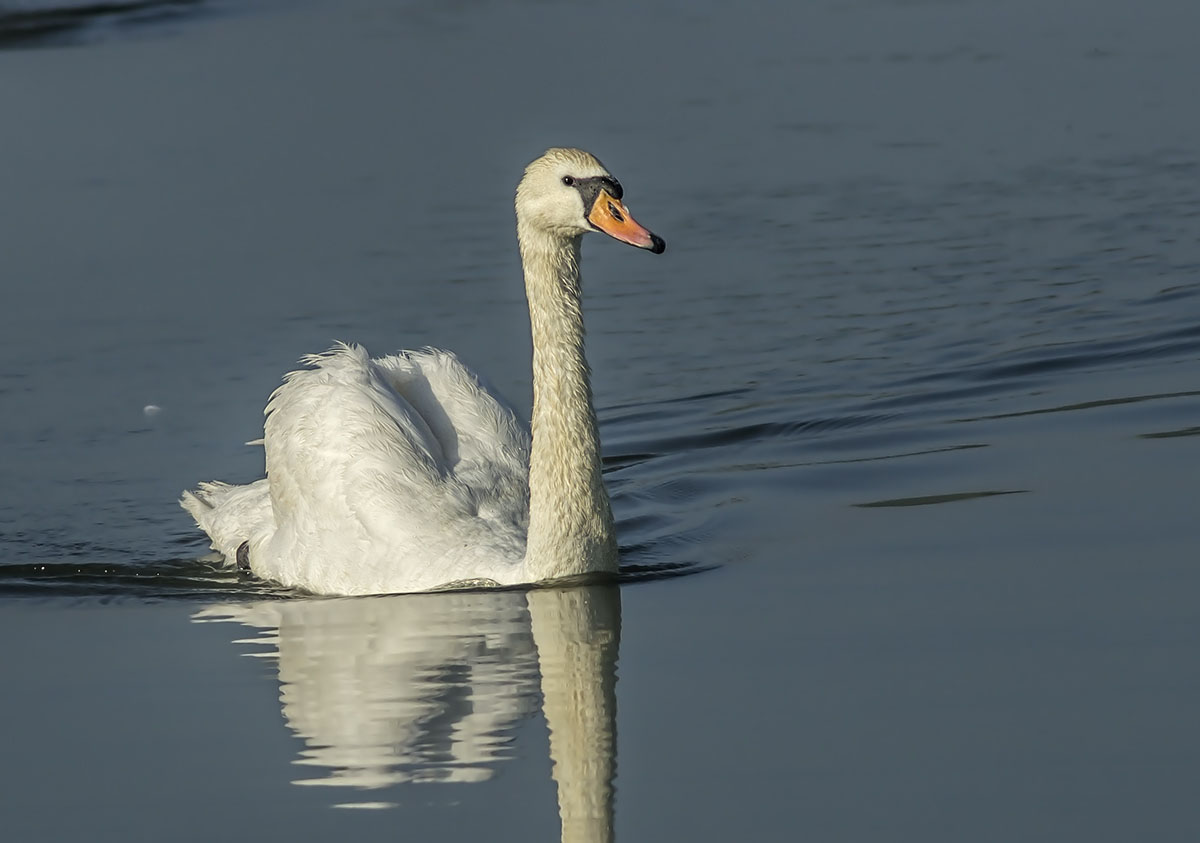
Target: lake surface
901	432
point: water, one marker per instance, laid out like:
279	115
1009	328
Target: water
910	403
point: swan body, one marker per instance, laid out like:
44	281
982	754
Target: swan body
409	473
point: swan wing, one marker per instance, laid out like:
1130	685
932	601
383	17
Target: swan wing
391	474
480	437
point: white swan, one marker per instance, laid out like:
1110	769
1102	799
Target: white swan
408	473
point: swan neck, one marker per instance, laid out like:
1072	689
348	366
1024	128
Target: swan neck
570	519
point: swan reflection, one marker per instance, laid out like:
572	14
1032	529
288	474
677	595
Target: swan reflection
428	687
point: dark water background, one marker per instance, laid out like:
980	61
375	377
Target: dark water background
914	395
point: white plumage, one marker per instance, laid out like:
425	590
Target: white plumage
408	473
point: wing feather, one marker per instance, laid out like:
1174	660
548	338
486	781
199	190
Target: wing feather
410	461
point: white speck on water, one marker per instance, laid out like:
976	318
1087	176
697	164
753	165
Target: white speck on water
151	410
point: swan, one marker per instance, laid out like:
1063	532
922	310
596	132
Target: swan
409	472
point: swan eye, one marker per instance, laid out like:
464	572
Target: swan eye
568	181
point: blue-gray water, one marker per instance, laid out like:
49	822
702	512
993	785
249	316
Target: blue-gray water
913	398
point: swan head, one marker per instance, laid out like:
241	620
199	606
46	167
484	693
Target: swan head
568	192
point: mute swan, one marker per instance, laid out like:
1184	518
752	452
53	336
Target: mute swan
408	473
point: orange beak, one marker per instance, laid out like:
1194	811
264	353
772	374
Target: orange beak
613	218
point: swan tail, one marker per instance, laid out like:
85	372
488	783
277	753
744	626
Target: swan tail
231	515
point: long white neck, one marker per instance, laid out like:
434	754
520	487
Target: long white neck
570	520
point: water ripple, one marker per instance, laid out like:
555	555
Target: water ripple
58	23
929	500
206	579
